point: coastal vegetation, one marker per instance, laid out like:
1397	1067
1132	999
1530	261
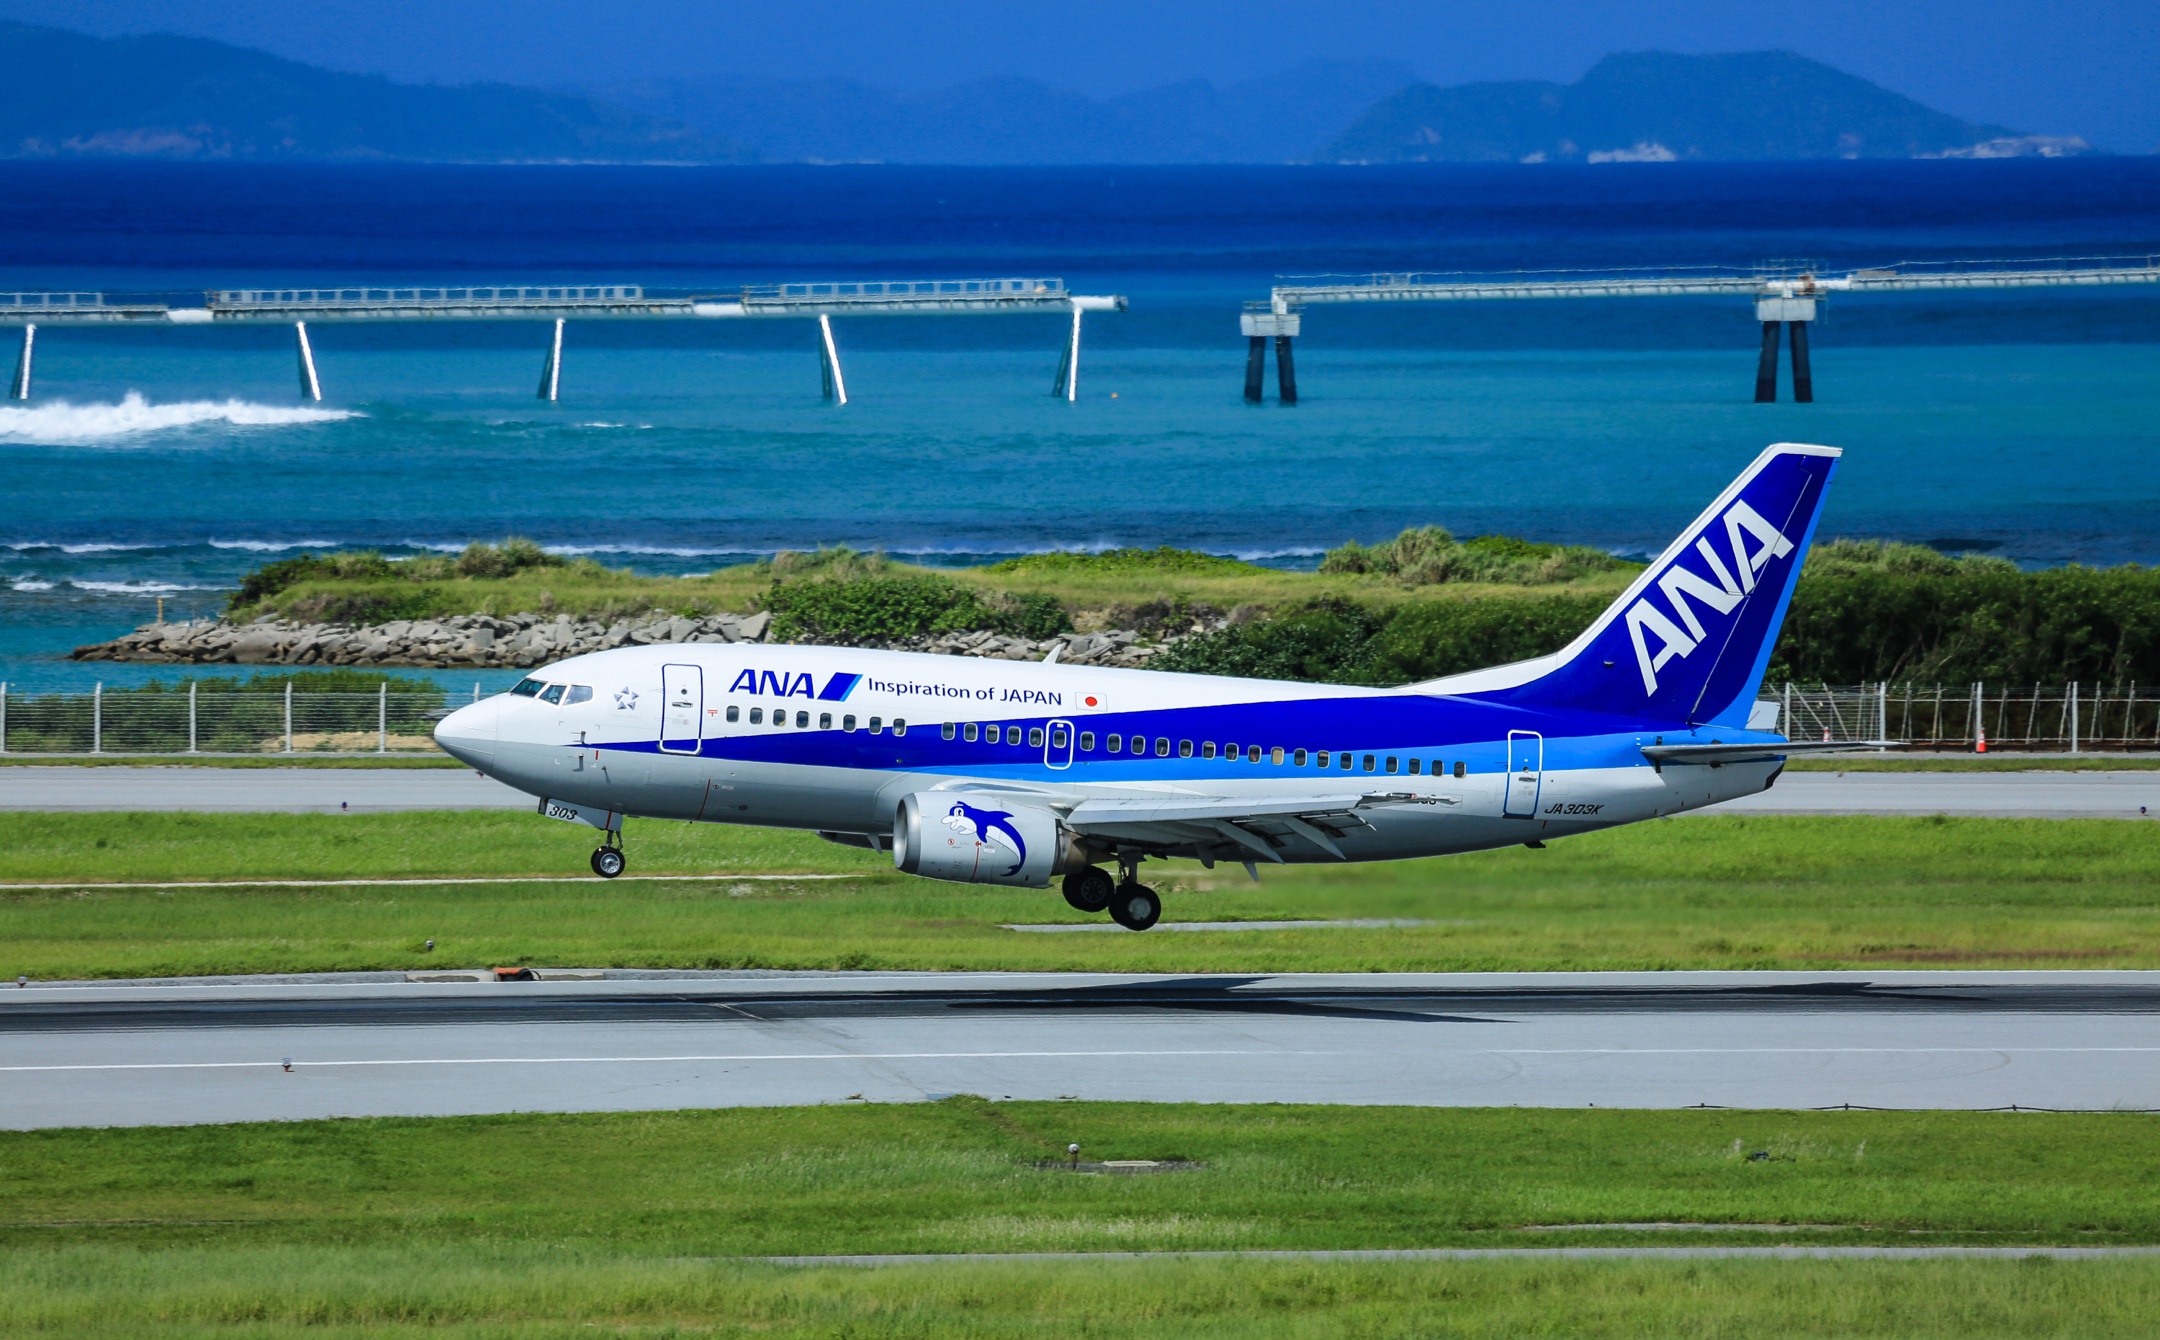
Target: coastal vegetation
1421	605
1709	892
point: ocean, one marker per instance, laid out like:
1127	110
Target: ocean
166	462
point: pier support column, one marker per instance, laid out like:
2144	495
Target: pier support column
1793	314
19	389
1803	378
310	385
1068	373
551	371
1259	325
829	362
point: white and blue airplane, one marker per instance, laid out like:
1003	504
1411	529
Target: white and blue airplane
1000	772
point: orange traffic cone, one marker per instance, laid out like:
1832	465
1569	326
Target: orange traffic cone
1980	747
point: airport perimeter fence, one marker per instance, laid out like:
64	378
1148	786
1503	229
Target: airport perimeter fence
2055	718
204	718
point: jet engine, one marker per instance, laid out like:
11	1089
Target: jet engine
974	838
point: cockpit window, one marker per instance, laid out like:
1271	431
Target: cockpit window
529	688
553	694
579	693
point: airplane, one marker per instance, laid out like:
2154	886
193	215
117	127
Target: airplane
1018	773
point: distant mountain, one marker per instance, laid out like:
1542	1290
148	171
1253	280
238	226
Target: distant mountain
1655	106
68	95
1274	120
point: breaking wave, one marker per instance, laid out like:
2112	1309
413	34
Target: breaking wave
62	422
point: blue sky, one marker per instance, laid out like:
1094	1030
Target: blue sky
2089	67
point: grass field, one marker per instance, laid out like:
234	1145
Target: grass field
1712	892
534	1225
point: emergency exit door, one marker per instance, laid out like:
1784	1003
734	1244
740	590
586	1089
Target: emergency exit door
682	708
1525	774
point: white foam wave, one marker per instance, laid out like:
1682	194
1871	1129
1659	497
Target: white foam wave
62	422
137	588
28	545
30	584
274	546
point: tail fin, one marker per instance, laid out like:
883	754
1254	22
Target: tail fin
1689	640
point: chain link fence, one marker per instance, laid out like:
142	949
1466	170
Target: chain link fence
205	718
2071	717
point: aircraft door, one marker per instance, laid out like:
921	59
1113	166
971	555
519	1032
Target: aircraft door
1058	745
682	708
1526	773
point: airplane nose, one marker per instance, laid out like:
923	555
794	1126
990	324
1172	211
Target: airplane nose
469	733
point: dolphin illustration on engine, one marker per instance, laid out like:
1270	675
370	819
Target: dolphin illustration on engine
991	828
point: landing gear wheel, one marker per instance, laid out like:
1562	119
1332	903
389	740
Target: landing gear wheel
1091	889
1135	907
608	862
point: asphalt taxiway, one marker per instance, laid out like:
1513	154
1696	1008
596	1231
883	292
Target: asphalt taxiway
219	1051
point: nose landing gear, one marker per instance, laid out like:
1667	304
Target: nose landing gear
608	861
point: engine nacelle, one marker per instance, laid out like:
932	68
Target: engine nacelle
977	839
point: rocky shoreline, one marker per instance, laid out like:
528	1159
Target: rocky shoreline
522	641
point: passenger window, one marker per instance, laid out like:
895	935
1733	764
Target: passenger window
948	730
1368	763
1275	756
1058	737
1414	766
1035	737
553	694
1460	767
734	713
802	721
529	688
899	727
1252	753
971	732
1393	763
1207	749
1114	743
1323	758
824	721
1162	746
757	716
877	725
995	734
1344	759
579	693
847	723
1184	748
1300	760
1087	740
1230	751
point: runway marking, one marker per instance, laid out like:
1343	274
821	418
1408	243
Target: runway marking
1065	1055
373	883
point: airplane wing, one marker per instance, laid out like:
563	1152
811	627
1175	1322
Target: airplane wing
1662	754
1250	825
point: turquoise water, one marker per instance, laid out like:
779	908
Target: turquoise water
167	462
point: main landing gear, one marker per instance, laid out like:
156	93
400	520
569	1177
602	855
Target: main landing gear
1130	903
608	861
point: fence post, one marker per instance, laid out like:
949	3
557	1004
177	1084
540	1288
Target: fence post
1882	710
476	691
2073	716
288	716
382	717
97	718
191	716
1785	712
3	716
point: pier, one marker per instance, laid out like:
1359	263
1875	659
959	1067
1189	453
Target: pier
1787	296
559	304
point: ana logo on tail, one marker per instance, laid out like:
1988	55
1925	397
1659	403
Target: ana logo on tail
1721	596
991	828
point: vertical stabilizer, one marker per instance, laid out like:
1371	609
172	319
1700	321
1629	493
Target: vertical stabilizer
1690	639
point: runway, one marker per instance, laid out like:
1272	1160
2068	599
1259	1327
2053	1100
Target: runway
2048	795
216	1051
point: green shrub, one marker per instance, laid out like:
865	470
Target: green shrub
891	609
1163	559
1341	642
1430	555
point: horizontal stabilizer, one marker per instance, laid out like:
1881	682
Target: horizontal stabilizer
1758	752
